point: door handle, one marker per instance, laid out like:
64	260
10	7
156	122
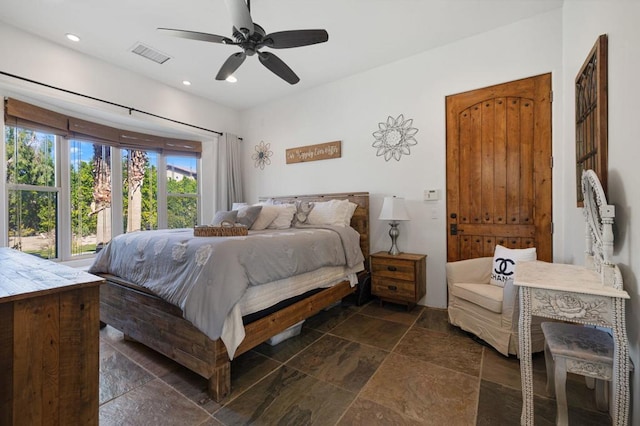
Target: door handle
453	229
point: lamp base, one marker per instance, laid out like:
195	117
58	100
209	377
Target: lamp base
393	233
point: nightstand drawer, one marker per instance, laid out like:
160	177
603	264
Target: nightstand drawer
398	269
394	289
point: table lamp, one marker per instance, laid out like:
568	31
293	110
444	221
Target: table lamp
393	209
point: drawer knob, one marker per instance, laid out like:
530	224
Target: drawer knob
392	268
392	287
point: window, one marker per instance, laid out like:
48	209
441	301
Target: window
32	191
70	188
139	190
90	186
182	192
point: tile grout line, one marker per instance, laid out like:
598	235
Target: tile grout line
154	377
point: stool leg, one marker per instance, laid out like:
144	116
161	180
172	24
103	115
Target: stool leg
560	378
548	362
602	395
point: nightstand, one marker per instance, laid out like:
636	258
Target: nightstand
399	279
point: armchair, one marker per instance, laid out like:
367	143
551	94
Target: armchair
486	310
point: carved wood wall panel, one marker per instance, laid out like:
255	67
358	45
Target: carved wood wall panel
591	116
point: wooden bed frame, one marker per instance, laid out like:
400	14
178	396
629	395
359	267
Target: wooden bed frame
146	318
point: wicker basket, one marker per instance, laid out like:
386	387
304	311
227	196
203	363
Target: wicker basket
226	229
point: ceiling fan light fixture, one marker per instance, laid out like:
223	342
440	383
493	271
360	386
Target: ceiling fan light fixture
231	79
72	37
251	37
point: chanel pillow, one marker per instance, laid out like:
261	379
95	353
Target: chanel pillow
504	262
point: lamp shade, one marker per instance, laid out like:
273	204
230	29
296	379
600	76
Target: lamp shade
393	208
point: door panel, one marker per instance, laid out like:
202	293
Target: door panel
499	169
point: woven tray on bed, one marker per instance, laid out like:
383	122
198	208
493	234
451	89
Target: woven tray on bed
226	229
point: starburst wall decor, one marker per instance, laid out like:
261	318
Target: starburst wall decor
394	138
262	154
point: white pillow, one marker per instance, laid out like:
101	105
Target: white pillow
266	216
237	206
351	209
332	212
504	262
285	216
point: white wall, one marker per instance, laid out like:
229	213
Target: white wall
350	110
31	57
583	22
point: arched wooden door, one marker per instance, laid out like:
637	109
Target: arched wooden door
499	169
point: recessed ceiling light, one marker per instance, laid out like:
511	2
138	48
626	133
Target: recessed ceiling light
231	79
73	37
186	82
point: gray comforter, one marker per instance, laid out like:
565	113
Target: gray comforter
207	276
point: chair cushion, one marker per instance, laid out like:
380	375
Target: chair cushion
504	263
580	342
484	295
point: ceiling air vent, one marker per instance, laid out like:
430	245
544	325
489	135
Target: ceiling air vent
150	53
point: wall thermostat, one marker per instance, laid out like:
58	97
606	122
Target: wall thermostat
431	194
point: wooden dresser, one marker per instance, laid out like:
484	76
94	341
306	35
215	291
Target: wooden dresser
49	342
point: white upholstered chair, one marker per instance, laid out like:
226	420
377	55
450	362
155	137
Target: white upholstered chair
486	310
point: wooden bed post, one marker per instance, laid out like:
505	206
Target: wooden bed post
220	381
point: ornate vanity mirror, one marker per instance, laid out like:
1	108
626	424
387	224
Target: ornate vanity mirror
599	218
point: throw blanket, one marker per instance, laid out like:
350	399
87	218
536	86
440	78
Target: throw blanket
207	276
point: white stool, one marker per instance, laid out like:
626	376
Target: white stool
580	350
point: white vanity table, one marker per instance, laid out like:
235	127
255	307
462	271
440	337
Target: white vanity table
592	294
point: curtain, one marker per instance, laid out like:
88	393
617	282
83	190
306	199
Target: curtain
229	176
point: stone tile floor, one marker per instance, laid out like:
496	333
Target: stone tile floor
350	365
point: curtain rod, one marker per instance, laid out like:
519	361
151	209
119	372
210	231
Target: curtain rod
130	109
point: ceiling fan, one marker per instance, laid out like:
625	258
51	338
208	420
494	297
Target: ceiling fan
251	37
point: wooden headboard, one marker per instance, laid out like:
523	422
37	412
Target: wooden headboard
359	221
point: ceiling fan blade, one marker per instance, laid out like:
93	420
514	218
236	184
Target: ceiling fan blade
231	65
240	15
295	38
193	35
278	67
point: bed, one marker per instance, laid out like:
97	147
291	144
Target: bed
147	318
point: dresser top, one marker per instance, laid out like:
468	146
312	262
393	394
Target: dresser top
23	275
402	256
563	277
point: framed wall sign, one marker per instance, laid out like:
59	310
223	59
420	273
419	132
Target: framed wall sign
323	151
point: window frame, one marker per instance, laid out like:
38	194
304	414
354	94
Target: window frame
164	147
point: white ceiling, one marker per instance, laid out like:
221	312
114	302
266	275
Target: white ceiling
363	34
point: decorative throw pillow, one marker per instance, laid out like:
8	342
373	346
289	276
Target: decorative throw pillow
268	213
223	215
247	215
504	262
284	218
303	208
